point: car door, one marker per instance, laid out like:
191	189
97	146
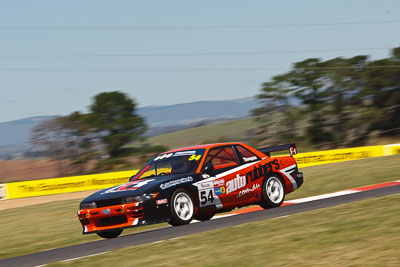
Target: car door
248	161
229	174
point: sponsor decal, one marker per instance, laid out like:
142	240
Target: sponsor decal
236	183
128	186
249	159
106	211
219	182
205	185
248	190
333	157
184	153
262	170
163	156
162	201
176	182
195	157
220	190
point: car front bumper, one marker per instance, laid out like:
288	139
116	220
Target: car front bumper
120	216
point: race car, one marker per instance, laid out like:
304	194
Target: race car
193	183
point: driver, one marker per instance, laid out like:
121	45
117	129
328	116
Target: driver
182	165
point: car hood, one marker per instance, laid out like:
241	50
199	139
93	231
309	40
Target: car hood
139	187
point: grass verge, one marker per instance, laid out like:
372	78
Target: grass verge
45	226
333	177
236	130
346	235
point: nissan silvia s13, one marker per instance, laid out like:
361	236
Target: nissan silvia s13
193	183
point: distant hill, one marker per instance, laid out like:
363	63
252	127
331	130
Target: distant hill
14	135
194	112
17	133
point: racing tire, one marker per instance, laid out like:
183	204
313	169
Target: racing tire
273	192
110	233
204	217
181	208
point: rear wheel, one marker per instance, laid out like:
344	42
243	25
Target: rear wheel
181	208
273	192
110	233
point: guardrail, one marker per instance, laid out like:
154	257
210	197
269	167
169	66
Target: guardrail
338	155
104	180
64	185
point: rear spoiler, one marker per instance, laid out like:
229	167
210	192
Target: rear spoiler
267	150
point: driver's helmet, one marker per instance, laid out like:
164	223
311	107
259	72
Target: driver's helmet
182	165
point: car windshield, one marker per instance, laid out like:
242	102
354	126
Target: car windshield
185	161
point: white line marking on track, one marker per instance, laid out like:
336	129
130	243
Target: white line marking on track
84	256
336	194
222	216
216	217
284	216
174	238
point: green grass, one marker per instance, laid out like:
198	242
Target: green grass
236	130
333	177
45	226
40	227
364	233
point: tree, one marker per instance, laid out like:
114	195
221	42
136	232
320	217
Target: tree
345	98
383	90
50	139
309	84
274	100
66	140
113	118
345	81
83	141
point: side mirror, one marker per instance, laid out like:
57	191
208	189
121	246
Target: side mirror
209	168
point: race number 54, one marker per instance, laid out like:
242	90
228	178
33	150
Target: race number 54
206	194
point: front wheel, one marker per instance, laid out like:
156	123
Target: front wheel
273	192
110	233
181	208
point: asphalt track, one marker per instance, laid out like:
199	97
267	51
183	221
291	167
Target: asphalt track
101	246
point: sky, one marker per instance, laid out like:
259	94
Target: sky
56	55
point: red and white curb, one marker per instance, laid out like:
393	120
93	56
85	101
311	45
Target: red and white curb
319	197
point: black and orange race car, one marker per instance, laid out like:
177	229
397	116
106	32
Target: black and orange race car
192	183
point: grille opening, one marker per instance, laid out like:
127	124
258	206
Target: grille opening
114	220
108	202
84	221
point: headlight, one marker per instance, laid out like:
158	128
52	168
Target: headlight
149	196
89	205
145	197
127	200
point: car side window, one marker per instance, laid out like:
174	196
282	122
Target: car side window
222	158
247	155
